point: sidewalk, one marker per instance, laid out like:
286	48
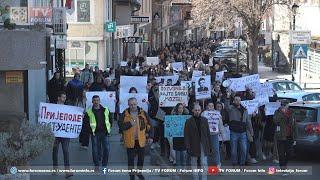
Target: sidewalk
80	157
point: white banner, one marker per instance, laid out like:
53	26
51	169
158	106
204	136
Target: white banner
65	121
187	84
152	61
123	63
271	108
107	99
251	106
213	118
142	99
138	82
262	99
203	87
219	76
265	88
177	66
239	84
196	74
165	79
170	96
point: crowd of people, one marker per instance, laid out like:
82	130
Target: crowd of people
253	138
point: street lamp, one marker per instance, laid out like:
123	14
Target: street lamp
294	9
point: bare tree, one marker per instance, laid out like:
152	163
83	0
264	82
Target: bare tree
252	13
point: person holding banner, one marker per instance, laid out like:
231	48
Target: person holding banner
197	141
64	142
97	123
216	127
136	129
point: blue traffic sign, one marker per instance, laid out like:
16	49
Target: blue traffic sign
300	51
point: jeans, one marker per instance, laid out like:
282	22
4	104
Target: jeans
181	158
100	145
65	149
216	149
131	153
203	166
236	138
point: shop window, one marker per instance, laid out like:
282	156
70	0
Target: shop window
80	53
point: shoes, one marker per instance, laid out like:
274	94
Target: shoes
84	147
275	161
253	161
68	175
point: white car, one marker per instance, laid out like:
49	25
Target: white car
298	96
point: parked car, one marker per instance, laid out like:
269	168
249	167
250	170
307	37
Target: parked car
232	64
306	125
284	85
298	96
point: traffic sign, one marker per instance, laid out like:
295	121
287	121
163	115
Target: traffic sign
110	26
139	19
132	40
300	37
300	51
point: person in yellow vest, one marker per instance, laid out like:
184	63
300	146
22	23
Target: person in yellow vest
136	129
98	124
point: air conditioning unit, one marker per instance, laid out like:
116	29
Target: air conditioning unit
59	21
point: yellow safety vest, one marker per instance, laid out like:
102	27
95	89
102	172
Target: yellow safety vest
93	122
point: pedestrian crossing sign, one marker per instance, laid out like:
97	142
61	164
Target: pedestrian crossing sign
300	51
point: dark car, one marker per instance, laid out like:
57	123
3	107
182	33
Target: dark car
306	125
232	64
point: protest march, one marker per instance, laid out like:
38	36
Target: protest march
177	99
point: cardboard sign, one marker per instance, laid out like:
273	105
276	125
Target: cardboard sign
187	84
153	61
142	99
196	74
107	99
123	63
138	82
226	134
240	84
262	99
213	118
203	87
251	106
265	88
219	76
177	66
65	121
271	108
174	125
170	96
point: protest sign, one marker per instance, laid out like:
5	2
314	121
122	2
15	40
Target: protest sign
174	125
240	84
265	88
160	114
196	74
251	106
138	82
262	99
170	96
213	118
177	66
142	99
187	84
123	63
271	108
165	79
203	87
219	76
211	61
226	134
65	121
152	61
107	99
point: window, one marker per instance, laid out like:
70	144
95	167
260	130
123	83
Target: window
80	11
80	53
293	86
14	10
300	114
311	97
281	86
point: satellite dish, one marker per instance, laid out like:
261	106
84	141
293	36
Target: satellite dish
226	83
